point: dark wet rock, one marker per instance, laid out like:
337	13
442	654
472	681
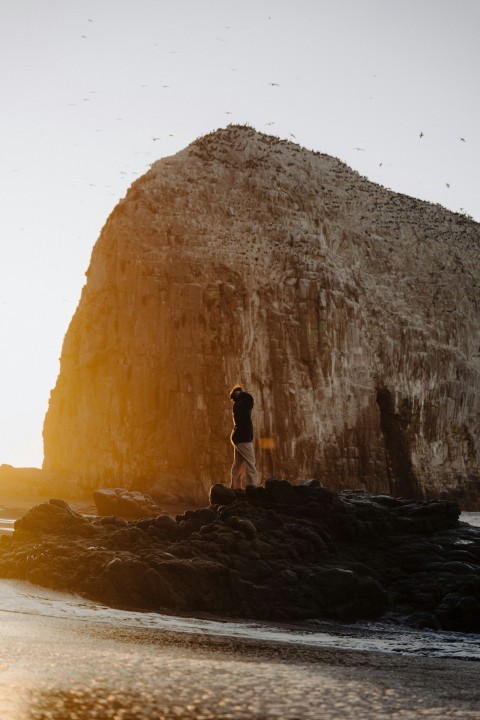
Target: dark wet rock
459	613
221	495
56	518
423	621
280	491
281	552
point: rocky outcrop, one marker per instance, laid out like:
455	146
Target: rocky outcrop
349	311
283	552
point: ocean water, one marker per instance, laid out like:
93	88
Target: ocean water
472	518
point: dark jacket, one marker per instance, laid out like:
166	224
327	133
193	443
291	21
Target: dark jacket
242	419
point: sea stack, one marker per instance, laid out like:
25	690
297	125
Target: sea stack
350	312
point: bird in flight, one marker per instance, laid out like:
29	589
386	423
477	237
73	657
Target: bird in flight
447	185
462	139
274	84
358	148
421	134
270	123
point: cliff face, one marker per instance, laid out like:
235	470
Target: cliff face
349	311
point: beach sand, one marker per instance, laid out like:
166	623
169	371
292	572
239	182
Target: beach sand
60	666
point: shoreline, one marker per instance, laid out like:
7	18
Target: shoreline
232	677
316	635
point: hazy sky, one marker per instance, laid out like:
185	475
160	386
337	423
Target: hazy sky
92	92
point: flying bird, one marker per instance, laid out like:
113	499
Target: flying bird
447	185
462	139
270	123
421	134
274	84
358	148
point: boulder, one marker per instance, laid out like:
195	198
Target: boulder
125	503
221	495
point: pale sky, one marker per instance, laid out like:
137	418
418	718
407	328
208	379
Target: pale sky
93	91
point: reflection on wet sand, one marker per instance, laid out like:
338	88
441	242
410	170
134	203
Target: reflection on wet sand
221	688
59	662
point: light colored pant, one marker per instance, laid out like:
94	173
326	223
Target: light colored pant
243	464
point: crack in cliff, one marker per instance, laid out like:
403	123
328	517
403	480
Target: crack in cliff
394	426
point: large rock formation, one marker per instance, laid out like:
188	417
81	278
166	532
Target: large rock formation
281	552
349	311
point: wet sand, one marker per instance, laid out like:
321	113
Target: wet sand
71	668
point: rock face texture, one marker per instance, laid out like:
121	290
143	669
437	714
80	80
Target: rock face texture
125	503
350	312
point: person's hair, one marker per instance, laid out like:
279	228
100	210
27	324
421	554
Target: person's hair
234	390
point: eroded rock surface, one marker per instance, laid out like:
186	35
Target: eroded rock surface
349	311
283	552
125	503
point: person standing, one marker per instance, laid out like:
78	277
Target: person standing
242	438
